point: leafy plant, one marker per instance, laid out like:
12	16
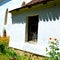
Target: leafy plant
11	54
53	51
4	39
3	48
22	57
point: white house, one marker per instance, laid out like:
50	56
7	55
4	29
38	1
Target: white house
33	24
5	17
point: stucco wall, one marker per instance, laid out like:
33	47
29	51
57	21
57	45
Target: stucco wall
48	26
13	4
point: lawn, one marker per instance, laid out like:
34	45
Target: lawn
5	39
3	57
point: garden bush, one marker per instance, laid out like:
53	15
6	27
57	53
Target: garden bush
53	51
5	40
10	53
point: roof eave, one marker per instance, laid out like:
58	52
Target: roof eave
29	6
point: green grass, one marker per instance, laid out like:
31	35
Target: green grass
6	41
3	57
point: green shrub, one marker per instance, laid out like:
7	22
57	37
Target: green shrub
10	53
53	52
3	48
5	40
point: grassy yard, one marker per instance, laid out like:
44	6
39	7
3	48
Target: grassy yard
6	41
22	56
27	56
3	57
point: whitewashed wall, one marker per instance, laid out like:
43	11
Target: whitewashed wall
13	4
48	26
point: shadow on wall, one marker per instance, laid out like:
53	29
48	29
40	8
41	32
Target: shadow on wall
51	14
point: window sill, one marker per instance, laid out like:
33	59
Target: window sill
31	42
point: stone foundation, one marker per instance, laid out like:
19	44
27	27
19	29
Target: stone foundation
31	55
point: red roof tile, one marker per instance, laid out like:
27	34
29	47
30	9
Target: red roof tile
35	1
31	3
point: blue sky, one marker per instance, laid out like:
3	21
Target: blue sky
11	4
3	2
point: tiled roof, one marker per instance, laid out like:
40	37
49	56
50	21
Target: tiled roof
31	3
35	2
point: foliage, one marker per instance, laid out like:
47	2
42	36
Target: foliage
53	51
10	53
3	48
4	39
22	57
3	57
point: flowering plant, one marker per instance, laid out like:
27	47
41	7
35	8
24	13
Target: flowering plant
53	51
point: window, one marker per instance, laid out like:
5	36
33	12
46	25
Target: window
32	28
